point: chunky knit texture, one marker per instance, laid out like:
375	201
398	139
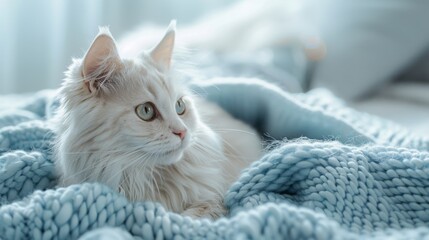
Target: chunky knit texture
353	176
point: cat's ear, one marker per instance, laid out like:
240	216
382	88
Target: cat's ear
162	53
100	61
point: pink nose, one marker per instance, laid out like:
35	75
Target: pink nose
180	133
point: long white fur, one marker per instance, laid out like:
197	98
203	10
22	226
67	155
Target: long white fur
101	139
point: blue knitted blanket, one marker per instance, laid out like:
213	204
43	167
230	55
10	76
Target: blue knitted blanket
335	174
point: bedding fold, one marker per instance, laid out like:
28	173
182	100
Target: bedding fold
332	173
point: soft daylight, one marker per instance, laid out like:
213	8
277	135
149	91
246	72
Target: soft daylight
211	119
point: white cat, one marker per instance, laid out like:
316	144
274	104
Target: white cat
132	125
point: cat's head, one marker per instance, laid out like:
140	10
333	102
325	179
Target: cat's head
138	105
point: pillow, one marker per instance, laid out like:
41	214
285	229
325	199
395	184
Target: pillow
368	42
419	70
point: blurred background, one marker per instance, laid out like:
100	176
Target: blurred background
39	38
372	54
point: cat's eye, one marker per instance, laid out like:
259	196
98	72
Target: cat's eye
180	106
146	111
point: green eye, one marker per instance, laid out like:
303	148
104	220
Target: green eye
180	106
146	111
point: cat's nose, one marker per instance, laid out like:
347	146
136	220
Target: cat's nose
180	133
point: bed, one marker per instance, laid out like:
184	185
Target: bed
334	173
337	166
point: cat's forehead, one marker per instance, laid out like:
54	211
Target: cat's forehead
147	81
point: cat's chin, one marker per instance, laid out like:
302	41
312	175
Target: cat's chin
171	158
175	155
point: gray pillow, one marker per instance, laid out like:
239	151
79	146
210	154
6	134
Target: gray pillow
368	42
418	71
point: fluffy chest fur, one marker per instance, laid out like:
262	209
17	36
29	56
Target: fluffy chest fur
195	179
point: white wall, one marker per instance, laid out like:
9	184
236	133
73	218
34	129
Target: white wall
39	38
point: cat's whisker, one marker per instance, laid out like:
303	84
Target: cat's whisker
155	183
161	179
121	171
78	173
205	147
130	182
95	165
92	166
141	161
209	150
195	93
233	130
95	151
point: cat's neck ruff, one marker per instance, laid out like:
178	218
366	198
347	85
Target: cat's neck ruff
180	184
